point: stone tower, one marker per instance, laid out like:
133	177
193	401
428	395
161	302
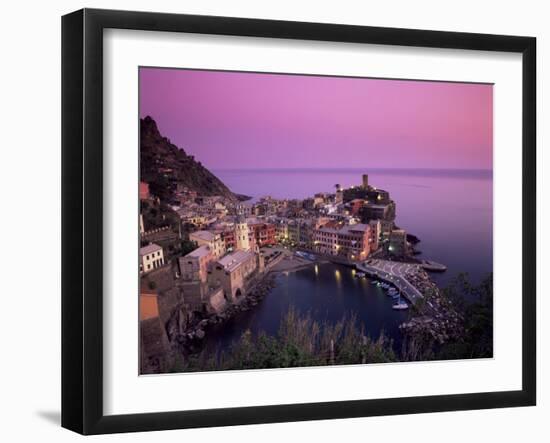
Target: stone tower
241	235
339	198
365	181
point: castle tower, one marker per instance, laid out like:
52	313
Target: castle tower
339	194
365	181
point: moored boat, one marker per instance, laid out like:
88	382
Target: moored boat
305	255
400	306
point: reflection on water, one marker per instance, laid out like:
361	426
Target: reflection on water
328	292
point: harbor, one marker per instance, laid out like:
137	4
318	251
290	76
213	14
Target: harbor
406	278
325	291
394	273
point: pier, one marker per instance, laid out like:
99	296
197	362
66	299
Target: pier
395	274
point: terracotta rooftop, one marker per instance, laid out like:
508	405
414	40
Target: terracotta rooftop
148	306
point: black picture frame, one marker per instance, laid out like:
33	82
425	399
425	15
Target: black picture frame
82	218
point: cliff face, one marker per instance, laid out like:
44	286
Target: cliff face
163	165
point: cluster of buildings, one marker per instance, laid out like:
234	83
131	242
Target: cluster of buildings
227	235
350	223
225	238
220	268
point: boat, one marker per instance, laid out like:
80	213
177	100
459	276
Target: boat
400	305
360	274
430	265
305	255
374	282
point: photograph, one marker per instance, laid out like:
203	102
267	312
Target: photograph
267	222
300	220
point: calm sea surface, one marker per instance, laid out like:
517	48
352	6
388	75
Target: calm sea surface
449	210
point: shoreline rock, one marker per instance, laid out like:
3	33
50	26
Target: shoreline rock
191	340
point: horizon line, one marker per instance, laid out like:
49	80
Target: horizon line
354	168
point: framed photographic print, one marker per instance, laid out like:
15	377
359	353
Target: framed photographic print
269	221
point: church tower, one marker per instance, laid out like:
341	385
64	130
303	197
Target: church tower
241	235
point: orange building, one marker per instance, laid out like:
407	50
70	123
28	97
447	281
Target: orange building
148	305
144	191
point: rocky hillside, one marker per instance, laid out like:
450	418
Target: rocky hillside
163	165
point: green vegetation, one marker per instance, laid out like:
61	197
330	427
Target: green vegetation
158	215
476	337
472	336
302	341
187	246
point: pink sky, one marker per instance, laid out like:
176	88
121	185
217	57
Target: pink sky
243	120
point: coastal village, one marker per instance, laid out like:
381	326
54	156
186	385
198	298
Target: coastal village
204	257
